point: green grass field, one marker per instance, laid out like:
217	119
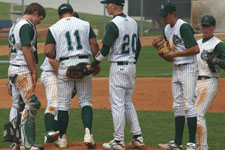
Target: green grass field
156	127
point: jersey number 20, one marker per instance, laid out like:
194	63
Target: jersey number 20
126	43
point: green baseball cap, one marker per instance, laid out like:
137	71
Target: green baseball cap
117	2
65	6
166	8
208	20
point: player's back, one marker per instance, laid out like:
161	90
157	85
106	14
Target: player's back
72	37
124	47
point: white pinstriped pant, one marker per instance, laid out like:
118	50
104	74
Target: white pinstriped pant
121	88
205	93
49	82
183	88
13	70
65	85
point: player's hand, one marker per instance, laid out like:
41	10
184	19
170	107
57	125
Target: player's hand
157	40
34	76
97	69
170	56
90	68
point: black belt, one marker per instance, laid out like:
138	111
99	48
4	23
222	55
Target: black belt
80	57
15	65
124	63
203	77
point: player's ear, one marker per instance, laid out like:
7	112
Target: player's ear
35	13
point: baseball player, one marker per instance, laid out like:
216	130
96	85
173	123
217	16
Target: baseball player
180	36
12	128
22	71
49	82
210	59
122	37
72	41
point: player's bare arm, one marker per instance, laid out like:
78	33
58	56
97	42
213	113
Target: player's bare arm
30	63
95	49
50	51
54	63
188	52
94	46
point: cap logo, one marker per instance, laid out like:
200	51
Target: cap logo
206	19
63	7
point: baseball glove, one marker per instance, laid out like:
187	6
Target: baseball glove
78	71
211	58
164	48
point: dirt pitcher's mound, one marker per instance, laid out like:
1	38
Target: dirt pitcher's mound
80	146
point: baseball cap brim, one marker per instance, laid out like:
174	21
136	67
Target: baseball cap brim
162	13
104	2
206	24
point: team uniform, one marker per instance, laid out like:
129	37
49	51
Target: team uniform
23	32
49	82
184	78
71	38
125	48
207	84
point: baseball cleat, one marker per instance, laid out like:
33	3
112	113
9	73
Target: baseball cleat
61	142
137	142
88	139
51	136
191	146
34	147
113	145
14	146
170	146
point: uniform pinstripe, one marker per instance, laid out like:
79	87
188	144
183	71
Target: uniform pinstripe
206	90
183	87
49	82
122	80
71	26
185	73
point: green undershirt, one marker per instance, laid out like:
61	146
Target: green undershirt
26	35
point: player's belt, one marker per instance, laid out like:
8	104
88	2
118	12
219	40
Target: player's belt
15	65
203	77
80	57
124	63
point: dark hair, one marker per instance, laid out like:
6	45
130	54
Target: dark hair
65	12
33	7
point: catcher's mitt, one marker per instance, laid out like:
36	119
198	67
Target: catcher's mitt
211	59
78	71
164	48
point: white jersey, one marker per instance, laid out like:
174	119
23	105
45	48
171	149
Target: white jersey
124	46
174	37
72	37
17	57
46	66
207	47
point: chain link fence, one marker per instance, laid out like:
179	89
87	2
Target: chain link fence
150	23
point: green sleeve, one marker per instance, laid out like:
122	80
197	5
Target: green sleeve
26	34
187	33
50	39
138	49
111	34
221	49
92	33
